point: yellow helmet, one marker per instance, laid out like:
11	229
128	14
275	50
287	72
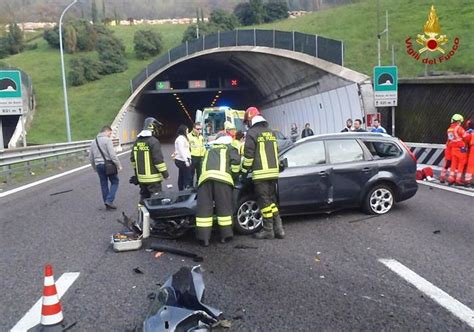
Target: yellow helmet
457	118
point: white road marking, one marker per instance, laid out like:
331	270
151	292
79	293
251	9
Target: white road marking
33	184
458	309
33	316
454	190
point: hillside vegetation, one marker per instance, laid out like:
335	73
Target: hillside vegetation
97	103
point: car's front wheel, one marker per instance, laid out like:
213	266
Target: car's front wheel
379	200
248	218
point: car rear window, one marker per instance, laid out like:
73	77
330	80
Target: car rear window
306	154
344	151
383	150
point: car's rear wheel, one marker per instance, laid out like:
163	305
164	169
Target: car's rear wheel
248	218
379	200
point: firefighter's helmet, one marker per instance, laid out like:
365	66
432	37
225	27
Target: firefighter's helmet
152	124
250	113
457	118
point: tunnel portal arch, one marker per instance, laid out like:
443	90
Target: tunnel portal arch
289	84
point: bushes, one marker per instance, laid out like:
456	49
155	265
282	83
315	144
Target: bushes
147	44
219	20
255	12
13	42
111	54
83	70
85	36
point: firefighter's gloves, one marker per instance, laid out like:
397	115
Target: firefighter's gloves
133	180
165	174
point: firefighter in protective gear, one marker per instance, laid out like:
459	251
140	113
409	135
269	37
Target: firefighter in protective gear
470	162
261	156
196	144
220	166
456	141
147	159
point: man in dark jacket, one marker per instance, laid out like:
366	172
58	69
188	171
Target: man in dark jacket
220	166
307	131
261	156
358	126
348	127
147	160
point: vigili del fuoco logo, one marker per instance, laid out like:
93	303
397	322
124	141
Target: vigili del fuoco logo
433	50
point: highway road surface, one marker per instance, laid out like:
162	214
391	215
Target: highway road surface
412	269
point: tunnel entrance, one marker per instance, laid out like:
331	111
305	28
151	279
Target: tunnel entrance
291	82
175	95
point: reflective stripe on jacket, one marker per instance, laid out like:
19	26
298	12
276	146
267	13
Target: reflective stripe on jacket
147	160
196	144
221	163
261	153
456	136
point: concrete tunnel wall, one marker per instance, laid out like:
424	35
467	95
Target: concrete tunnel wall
293	87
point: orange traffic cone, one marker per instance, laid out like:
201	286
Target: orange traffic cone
51	311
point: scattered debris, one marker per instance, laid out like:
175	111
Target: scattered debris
169	186
437	231
149	250
151	296
225	323
195	257
61	192
137	270
244	246
237	317
322	277
177	305
158	254
69	326
317	259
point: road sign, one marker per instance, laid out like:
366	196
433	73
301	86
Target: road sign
11	101
386	86
197	84
163	85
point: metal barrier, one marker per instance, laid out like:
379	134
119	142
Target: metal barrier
324	48
428	154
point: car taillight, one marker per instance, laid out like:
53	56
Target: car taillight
409	151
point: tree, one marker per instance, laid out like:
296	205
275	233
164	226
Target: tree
70	39
202	15
4	47
94	14
104	15
147	43
52	36
223	20
15	38
86	35
275	10
250	13
116	17
197	15
112	54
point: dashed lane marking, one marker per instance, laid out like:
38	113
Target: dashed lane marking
29	185
454	190
33	316
448	302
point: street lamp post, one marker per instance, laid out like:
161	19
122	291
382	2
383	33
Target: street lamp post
66	108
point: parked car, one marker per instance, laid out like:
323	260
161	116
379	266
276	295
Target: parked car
336	171
318	174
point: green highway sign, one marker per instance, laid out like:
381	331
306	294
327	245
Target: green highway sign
11	101
385	86
163	85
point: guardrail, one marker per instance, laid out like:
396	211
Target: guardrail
428	154
18	160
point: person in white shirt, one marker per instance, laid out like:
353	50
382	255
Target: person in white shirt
182	158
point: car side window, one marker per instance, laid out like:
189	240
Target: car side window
383	150
344	151
306	154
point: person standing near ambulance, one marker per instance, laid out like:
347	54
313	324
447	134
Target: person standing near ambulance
220	166
196	144
261	157
147	160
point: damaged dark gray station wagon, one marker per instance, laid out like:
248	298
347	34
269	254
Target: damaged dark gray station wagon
337	171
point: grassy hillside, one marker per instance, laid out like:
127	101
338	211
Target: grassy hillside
356	25
91	105
97	103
